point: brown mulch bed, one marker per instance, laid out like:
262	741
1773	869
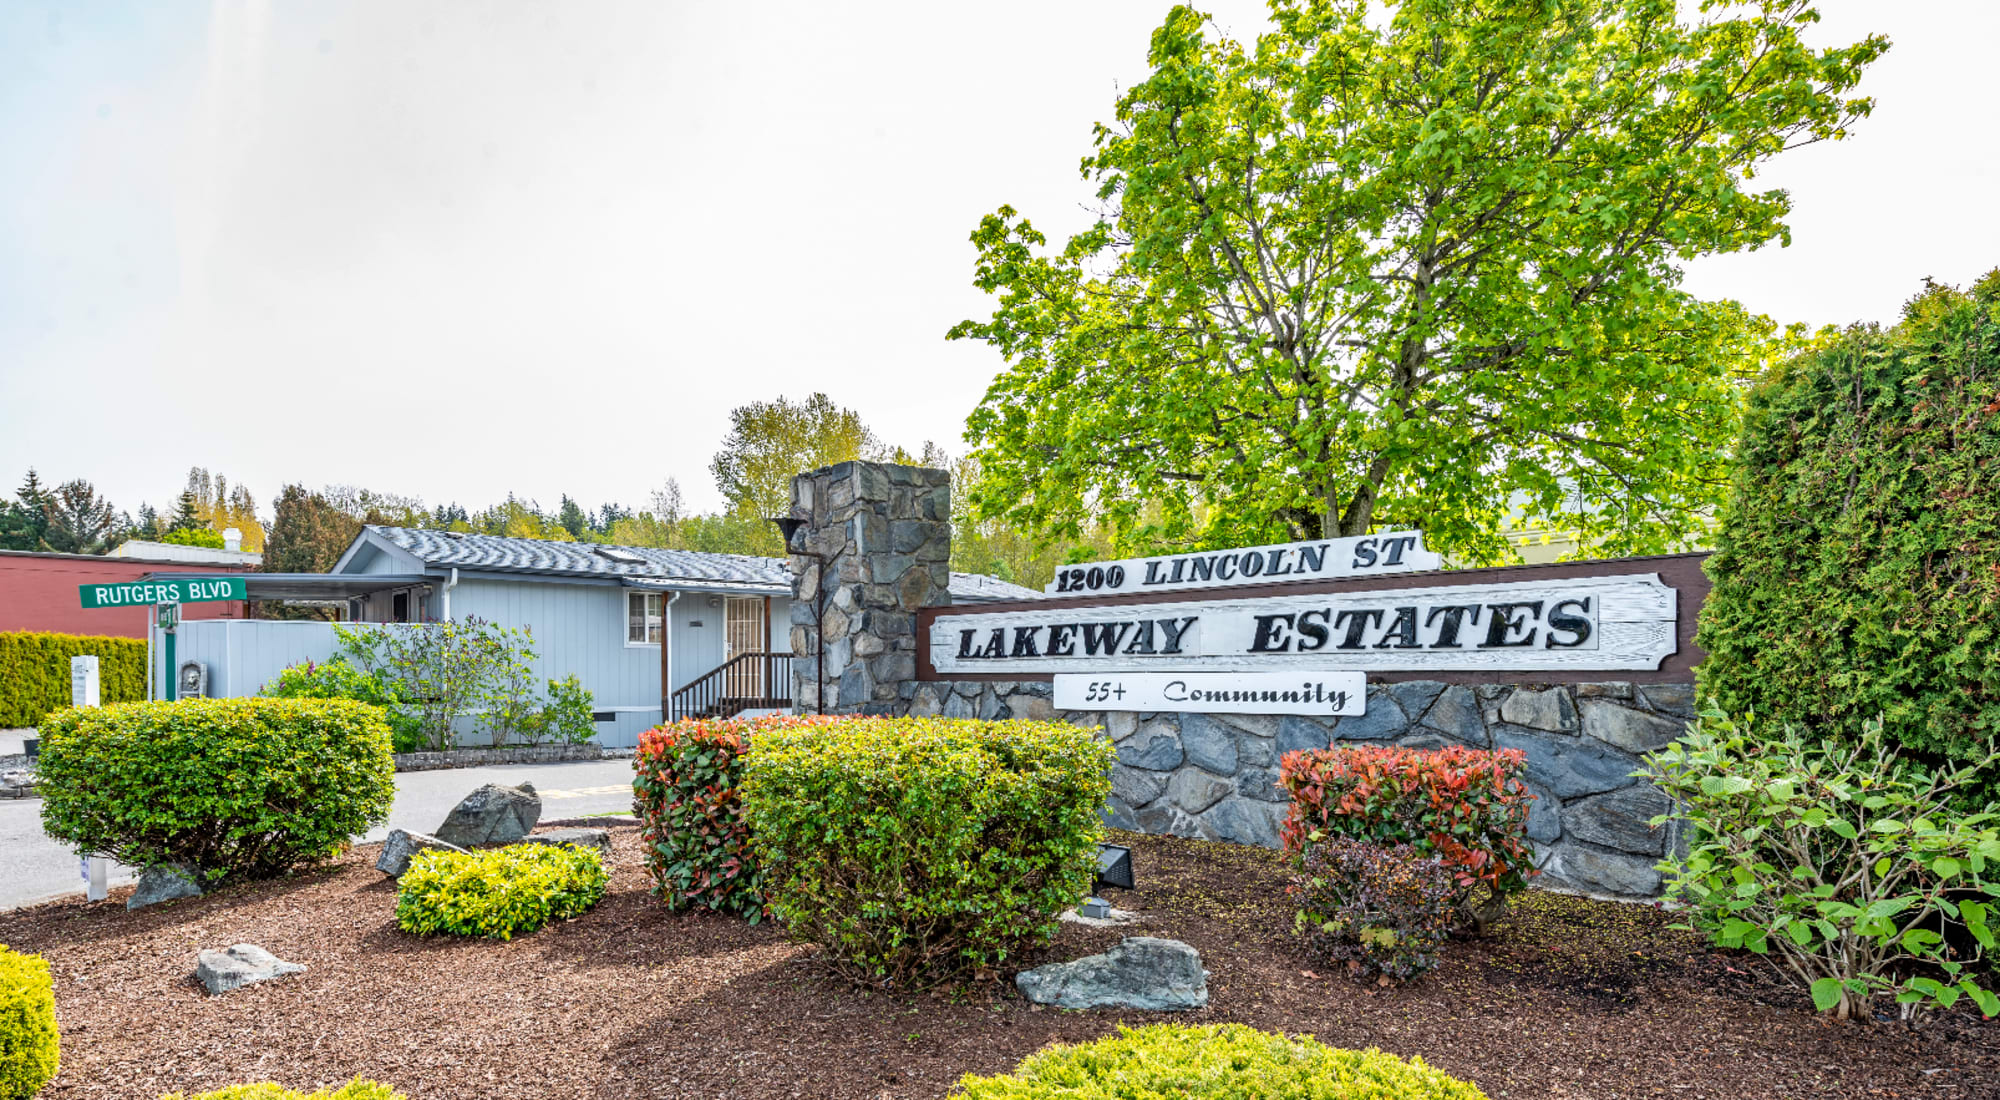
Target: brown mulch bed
1572	998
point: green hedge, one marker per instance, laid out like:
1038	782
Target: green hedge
28	1040
231	786
500	893
1857	566
1214	1062
34	672
919	851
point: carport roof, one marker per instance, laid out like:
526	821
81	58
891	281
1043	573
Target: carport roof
311	586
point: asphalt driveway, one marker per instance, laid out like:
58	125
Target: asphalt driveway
35	868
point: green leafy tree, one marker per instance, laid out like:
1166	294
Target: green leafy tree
25	521
204	537
1405	271
308	533
771	441
80	521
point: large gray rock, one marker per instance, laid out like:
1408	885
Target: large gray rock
1544	817
1382	720
222	971
1142	972
1244	821
1194	790
167	882
1456	715
1163	818
1567	767
1300	734
1136	787
401	847
1210	744
1674	699
1156	747
598	840
1635	731
492	815
1415	696
1619	820
1260	783
1549	709
1599	872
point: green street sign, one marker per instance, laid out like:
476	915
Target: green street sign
142	593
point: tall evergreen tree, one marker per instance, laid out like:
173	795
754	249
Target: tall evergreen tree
25	521
187	513
308	533
80	521
572	518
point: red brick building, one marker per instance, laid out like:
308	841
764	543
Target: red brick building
39	592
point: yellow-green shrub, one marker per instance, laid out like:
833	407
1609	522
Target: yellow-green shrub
357	1089
916	851
28	1042
34	672
231	786
498	893
1218	1061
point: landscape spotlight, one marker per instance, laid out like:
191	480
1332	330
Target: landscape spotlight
1114	867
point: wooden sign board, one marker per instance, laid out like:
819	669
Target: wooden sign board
1603	623
1302	692
1363	556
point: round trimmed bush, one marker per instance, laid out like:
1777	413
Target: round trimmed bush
917	851
357	1089
29	1045
1217	1060
1857	566
228	786
500	893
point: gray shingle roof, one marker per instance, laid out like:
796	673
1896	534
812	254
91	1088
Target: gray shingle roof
512	555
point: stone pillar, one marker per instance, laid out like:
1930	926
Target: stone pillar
875	547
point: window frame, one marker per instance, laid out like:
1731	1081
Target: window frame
653	613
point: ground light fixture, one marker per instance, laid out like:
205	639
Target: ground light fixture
1114	868
789	526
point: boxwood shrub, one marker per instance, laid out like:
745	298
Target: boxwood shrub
919	851
28	1040
34	672
357	1089
500	893
1857	565
1215	1061
248	787
697	839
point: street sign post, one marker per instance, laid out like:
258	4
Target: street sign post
167	594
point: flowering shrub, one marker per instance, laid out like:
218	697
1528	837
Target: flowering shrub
685	779
498	893
916	851
1379	908
1841	859
1214	1062
1466	806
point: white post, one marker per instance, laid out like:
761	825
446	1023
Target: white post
96	870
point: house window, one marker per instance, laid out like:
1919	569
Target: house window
642	618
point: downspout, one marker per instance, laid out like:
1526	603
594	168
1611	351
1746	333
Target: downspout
667	657
444	604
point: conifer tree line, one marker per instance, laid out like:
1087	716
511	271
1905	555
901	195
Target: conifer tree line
308	528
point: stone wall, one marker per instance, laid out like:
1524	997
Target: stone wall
1215	775
882	536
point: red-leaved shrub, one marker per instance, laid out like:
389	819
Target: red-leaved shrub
1466	806
697	840
1378	908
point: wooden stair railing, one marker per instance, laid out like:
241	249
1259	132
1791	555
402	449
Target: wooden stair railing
747	681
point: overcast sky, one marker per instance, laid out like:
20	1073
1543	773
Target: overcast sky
451	250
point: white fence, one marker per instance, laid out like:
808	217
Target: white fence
243	655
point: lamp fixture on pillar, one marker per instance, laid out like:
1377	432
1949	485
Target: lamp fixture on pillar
789	526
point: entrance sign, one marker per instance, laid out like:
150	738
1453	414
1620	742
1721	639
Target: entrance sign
1570	624
1360	556
1302	692
139	593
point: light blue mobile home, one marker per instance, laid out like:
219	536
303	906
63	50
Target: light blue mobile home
623	619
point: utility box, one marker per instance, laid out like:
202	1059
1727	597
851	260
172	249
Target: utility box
192	681
83	682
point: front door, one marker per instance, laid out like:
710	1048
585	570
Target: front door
743	632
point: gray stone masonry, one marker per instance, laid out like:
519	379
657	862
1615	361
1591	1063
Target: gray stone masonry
1216	775
882	534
